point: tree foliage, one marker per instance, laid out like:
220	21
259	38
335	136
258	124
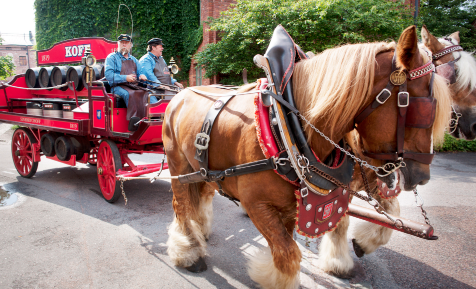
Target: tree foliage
315	25
443	17
177	22
7	68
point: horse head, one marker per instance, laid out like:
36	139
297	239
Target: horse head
460	69
361	73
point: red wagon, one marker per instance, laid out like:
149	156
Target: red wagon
71	124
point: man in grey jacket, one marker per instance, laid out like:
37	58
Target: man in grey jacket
154	68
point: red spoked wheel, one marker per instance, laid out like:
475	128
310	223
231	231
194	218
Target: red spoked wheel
108	163
23	151
93	156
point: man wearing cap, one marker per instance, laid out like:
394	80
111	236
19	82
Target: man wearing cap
122	67
122	71
154	67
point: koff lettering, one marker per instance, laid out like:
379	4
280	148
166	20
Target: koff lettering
76	50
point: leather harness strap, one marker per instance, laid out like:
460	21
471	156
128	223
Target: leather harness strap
202	142
379	100
202	139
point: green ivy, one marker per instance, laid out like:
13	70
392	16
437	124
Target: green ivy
176	22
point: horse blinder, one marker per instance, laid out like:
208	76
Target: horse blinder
448	71
421	112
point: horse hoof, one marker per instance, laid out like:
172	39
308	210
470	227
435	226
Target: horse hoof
348	275
357	249
198	266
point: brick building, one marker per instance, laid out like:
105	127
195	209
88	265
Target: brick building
20	47
208	8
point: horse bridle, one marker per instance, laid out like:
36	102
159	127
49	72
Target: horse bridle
417	112
447	70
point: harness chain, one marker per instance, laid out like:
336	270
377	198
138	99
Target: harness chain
423	212
397	223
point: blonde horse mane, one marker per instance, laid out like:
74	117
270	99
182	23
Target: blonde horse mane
335	84
246	87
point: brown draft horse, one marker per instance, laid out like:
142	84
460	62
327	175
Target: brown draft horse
330	89
334	255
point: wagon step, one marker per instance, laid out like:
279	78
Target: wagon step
121	134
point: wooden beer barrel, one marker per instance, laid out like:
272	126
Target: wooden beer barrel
31	77
74	73
58	76
44	77
95	70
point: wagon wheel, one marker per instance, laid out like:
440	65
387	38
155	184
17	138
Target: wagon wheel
93	156
23	151
108	163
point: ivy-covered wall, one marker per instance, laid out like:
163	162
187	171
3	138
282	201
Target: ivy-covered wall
177	22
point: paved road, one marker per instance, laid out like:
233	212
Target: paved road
62	234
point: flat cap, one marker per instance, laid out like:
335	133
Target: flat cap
124	37
156	41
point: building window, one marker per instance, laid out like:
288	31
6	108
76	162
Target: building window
198	76
8	48
23	48
22	60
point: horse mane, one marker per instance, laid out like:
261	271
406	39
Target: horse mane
466	77
345	81
335	84
247	87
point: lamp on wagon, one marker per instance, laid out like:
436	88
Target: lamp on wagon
89	61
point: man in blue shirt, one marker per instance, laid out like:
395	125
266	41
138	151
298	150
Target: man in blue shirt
116	73
154	68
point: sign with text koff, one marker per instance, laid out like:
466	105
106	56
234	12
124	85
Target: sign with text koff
71	51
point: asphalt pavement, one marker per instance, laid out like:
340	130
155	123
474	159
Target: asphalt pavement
60	233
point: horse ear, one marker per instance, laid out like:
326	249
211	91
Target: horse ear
455	36
430	41
407	49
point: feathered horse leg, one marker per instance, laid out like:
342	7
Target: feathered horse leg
186	243
334	253
278	265
369	236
